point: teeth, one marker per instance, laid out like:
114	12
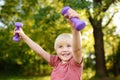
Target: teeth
65	54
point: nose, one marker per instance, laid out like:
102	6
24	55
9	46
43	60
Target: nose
65	49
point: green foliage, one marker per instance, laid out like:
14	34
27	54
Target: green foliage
43	21
77	4
39	24
114	61
117	56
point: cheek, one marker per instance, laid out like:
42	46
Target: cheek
57	51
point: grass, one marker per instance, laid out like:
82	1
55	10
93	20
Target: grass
87	75
5	77
117	78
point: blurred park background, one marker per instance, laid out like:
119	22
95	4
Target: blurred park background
43	21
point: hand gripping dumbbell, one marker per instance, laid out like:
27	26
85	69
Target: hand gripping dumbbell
16	36
79	24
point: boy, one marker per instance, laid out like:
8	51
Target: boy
67	64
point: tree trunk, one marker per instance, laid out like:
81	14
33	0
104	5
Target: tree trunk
99	51
95	18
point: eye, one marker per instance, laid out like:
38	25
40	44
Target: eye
60	46
68	45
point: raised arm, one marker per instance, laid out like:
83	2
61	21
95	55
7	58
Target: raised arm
77	43
34	46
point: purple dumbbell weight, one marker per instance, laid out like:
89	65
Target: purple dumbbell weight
16	36
79	24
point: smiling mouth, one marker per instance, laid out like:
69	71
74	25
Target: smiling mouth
66	54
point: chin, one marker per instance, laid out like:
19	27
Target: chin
67	59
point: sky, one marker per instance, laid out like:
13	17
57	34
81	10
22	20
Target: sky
116	20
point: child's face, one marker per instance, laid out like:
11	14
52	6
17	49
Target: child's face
64	50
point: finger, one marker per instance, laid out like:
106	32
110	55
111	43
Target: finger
73	15
68	20
66	16
14	32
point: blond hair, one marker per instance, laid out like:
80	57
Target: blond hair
62	37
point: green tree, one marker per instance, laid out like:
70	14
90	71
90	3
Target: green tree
40	19
96	18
